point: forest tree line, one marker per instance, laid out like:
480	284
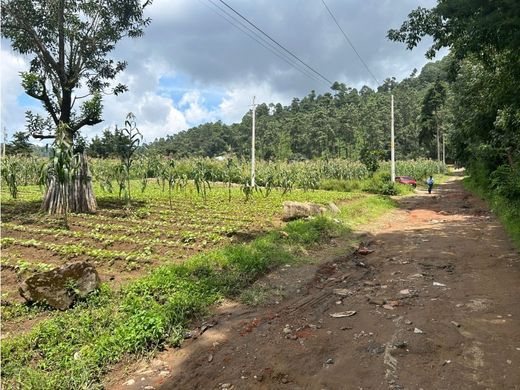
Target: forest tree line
343	123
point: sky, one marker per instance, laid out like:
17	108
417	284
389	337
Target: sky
193	66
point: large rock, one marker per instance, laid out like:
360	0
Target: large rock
62	286
297	210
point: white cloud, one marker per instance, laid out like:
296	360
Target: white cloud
238	100
213	70
12	113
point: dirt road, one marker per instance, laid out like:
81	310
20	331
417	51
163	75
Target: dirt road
436	308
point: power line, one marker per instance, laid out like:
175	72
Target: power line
278	44
258	38
350	43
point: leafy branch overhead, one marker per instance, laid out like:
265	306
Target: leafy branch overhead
69	41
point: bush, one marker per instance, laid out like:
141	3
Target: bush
341	185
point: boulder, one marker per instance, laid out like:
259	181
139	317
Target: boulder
297	210
61	287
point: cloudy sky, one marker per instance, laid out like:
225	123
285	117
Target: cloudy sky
193	66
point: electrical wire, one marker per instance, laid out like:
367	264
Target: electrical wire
350	42
257	38
278	44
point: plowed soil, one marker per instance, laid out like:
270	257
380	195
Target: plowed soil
436	307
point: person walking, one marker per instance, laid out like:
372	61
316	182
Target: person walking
430	184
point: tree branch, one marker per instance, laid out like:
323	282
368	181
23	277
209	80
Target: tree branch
43	51
85	122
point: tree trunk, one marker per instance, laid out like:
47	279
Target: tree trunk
76	196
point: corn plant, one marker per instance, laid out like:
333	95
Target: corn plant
201	178
128	140
10	168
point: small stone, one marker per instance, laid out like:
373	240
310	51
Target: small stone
376	301
164	373
342	314
129	382
342	292
285	380
439	284
404	292
388	307
330	361
149	388
418	331
459	305
287	329
77	355
292	337
225	385
210	358
329	332
455	323
509	361
446	362
408	322
339	302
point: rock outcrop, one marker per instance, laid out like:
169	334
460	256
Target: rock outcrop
61	287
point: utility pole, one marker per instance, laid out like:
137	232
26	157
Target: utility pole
443	149
253	145
4	140
392	139
438	138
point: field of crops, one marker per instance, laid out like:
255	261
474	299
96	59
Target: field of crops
168	211
177	208
164	214
112	176
124	241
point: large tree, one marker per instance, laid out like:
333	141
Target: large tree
19	145
431	117
484	37
69	42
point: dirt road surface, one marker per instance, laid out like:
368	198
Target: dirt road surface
436	307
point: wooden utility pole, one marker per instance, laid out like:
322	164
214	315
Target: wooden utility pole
392	139
253	145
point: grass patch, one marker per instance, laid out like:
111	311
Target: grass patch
365	210
379	183
508	211
75	348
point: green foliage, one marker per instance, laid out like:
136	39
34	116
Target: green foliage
19	145
10	169
501	196
349	124
68	42
74	348
483	104
432	117
127	142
